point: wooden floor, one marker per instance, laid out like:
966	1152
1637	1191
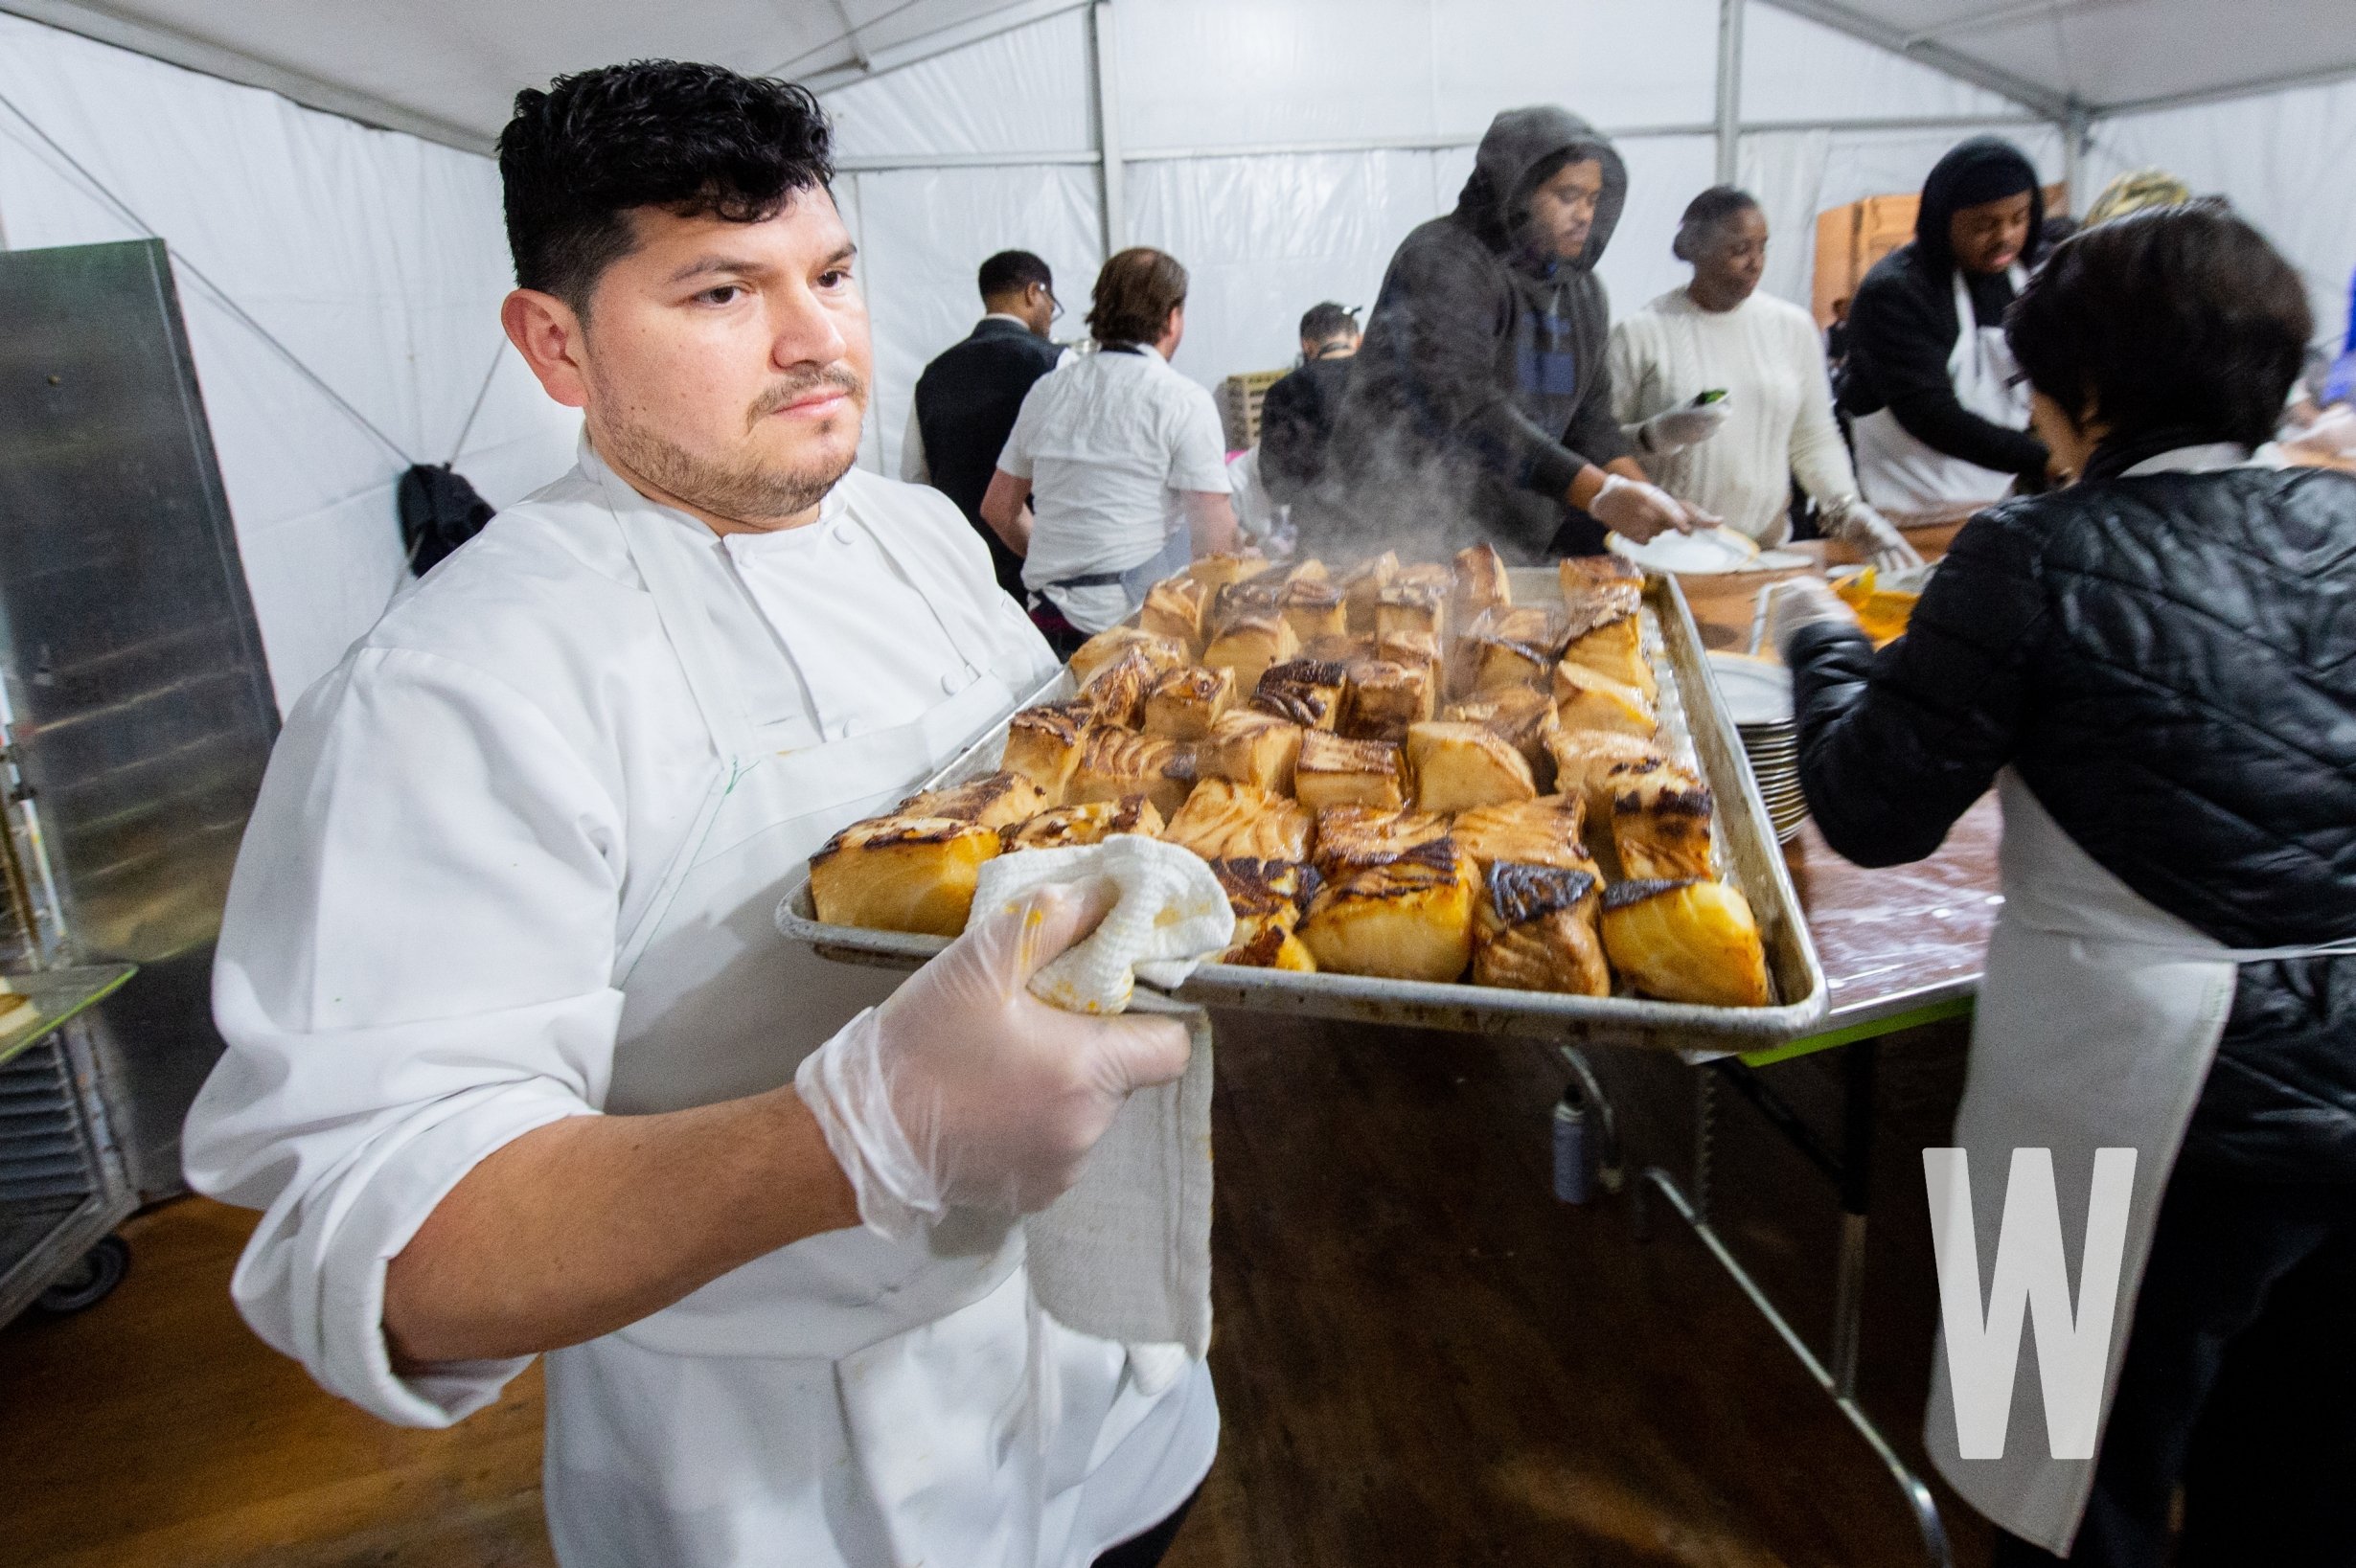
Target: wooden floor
1422	1358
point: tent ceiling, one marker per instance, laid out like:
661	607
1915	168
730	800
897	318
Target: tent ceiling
2105	55
449	69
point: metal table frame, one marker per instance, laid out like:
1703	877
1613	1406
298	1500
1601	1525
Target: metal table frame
63	1186
1849	1169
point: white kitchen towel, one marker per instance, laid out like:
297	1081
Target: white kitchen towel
1126	1254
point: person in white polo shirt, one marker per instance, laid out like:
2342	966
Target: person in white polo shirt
1115	475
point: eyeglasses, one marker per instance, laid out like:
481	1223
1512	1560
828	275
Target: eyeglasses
1055	307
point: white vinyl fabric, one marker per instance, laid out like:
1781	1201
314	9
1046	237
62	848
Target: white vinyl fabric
377	258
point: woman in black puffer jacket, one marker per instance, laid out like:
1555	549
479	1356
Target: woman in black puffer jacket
2164	654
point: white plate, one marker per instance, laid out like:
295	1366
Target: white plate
1706	553
1756	690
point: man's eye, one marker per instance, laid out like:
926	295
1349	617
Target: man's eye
835	277
725	294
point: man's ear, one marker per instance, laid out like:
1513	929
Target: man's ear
550	336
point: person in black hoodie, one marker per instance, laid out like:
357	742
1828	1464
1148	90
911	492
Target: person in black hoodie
1479	408
2157	666
1929	381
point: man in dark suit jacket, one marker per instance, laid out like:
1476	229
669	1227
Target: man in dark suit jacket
967	399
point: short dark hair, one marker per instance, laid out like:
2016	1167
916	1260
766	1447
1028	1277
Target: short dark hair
1010	272
1323	323
2171	319
694	140
1704	213
1133	297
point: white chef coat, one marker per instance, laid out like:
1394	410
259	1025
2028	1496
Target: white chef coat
1110	443
461	827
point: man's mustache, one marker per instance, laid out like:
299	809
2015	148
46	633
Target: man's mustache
795	388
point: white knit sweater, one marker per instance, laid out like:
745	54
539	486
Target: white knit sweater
1768	357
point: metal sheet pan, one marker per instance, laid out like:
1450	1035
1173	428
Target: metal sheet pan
1692	717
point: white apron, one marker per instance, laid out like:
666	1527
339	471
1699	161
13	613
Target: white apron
1898	473
846	1400
2098	1017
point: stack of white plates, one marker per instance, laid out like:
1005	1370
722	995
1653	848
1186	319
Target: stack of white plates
1758	699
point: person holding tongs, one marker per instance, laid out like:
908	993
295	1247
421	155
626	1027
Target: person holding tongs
1939	417
2156	668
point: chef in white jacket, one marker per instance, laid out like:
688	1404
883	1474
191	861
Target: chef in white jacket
518	1063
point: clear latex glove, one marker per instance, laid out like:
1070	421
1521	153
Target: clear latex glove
964	1089
1640	512
1854	523
1799	602
1681	427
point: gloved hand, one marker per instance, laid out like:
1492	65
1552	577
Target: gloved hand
966	1089
1799	602
1681	427
1640	512
1854	523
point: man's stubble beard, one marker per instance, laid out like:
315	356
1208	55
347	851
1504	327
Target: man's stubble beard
750	491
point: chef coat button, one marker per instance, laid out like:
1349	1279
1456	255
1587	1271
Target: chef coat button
949	683
839	732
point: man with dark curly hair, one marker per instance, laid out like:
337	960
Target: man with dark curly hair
518	1063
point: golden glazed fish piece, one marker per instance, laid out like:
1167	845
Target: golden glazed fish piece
1616	649
1176	608
1411	606
1184	703
995	800
1409	918
1583	761
1253	748
1385	698
1117	763
1219	570
1304	692
1535	930
1116	692
1223	819
1332	771
1249	645
1351	837
1361	584
1459	766
1686	942
1044	745
1523	717
1161	653
1481	582
1661	822
1070	826
1267	897
1546	832
1313	609
1588	701
1512	647
901	873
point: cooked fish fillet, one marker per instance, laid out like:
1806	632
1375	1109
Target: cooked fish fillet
1411	606
1424	574
1686	942
1362	582
1512	647
995	800
1117	691
1306	691
1352	836
1253	748
1253	598
1459	766
1332	771
1661	822
1223	819
1313	607
1584	759
901	873
1095	821
1481	579
1535	930
1409	646
1043	743
1268	896
1409	918
1582	575
1219	570
1185	703
1546	832
1161	653
1117	763
1523	717
1347	648
1249	645
1385	698
1616	649
1588	701
1177	607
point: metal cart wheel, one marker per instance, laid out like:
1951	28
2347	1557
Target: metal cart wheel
87	1282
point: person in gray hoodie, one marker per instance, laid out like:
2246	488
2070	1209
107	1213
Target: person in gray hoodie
1480	409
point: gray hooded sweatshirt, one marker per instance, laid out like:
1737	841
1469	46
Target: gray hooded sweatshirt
1482	388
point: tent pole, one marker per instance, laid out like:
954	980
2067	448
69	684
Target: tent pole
2076	134
1729	124
1104	66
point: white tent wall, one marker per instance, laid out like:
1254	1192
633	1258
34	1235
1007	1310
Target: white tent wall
2288	161
375	257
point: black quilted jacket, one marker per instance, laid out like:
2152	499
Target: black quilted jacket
2169	662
